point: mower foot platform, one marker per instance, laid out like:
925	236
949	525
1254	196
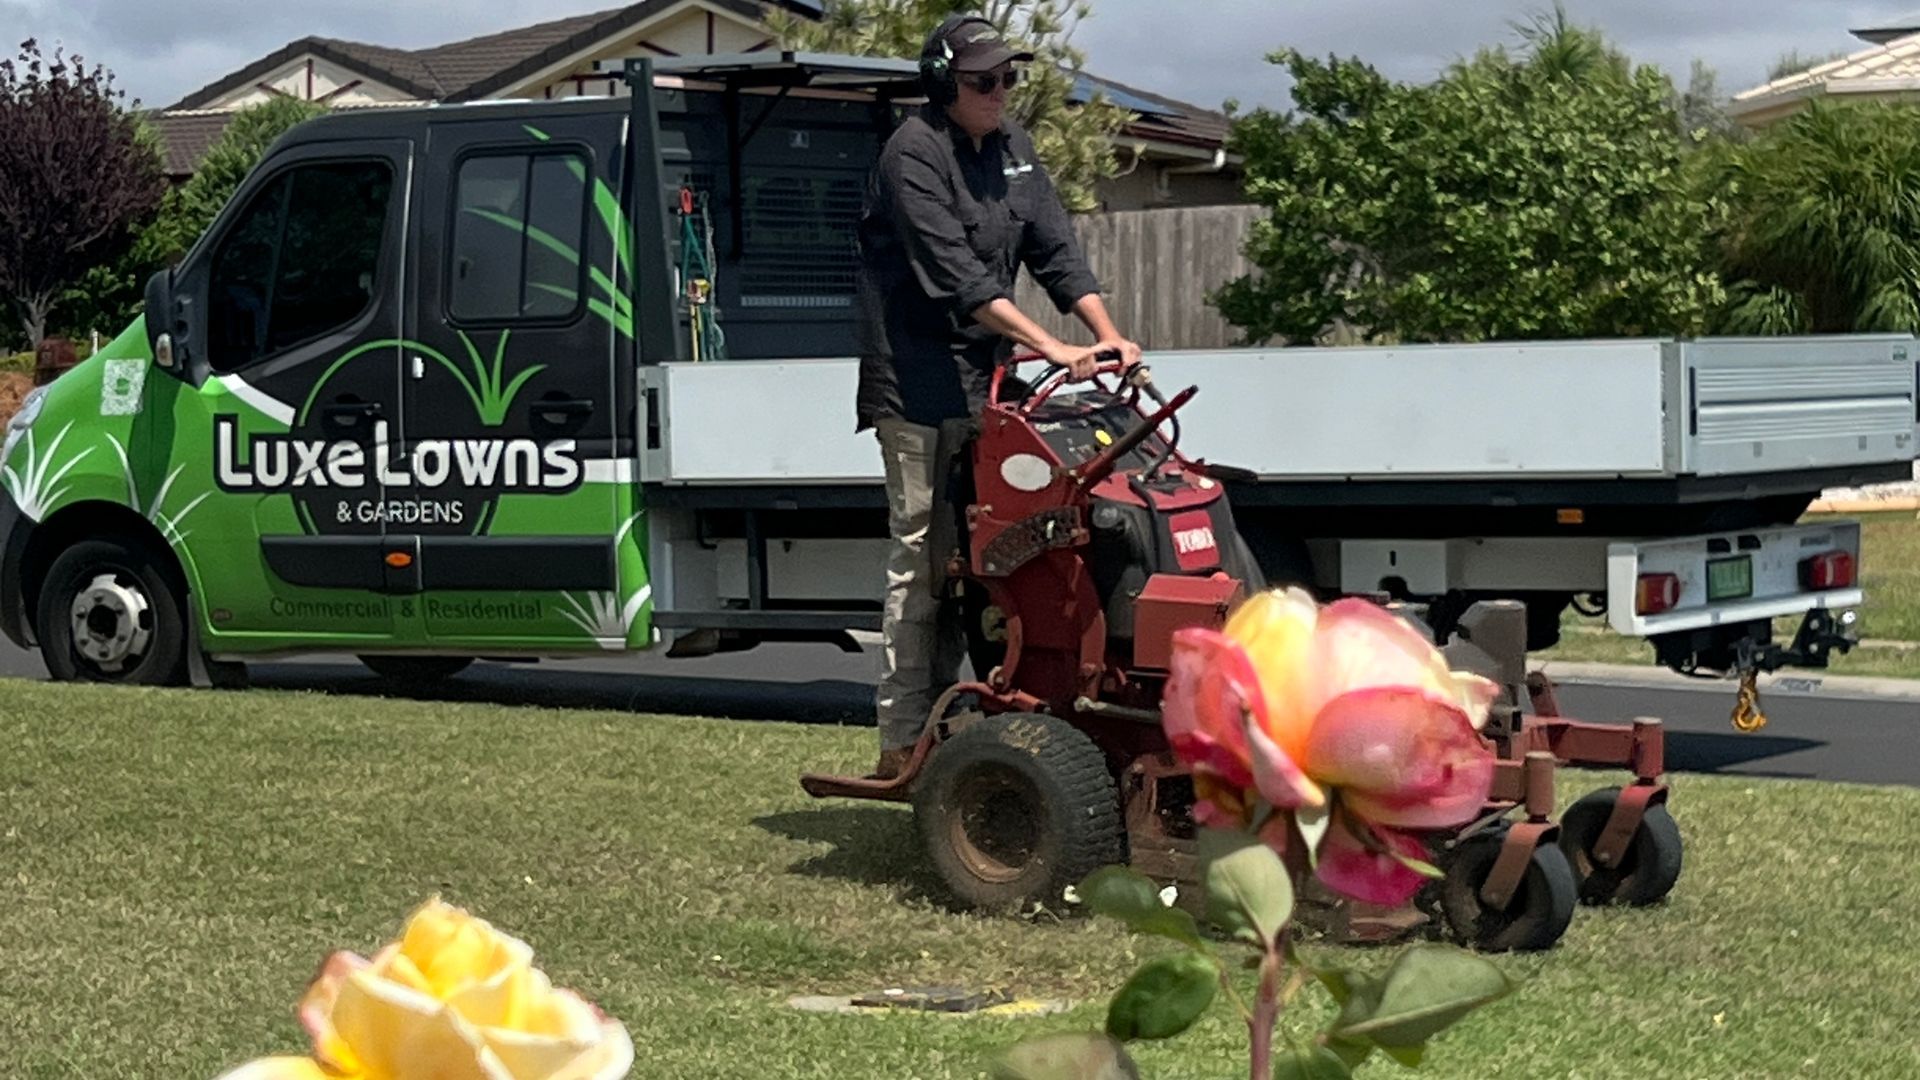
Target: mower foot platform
821	786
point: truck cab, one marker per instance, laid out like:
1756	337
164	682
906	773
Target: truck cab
388	402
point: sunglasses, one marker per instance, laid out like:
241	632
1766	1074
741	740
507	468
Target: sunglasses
985	82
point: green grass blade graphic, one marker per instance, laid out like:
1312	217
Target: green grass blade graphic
539	236
505	401
621	322
354	354
499	357
608	206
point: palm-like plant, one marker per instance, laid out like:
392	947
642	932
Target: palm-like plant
1823	227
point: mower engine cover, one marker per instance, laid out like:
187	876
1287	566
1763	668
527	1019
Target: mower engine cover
1178	523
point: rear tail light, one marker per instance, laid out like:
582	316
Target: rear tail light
1832	570
1656	593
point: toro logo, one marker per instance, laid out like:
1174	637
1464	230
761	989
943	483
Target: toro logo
1194	547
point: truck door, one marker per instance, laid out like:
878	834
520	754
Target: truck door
294	304
511	415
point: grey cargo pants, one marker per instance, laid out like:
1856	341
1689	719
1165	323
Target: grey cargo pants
924	640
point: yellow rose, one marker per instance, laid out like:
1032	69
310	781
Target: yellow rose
453	999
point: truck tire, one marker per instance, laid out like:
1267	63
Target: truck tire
417	669
112	612
1015	808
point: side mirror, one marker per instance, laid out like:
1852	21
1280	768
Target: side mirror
169	323
160	318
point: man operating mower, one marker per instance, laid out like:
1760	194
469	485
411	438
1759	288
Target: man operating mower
957	203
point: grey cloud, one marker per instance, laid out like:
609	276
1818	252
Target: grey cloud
1214	48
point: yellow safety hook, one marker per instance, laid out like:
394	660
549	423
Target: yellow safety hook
1747	716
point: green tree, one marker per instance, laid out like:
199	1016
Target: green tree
1823	234
1073	140
108	296
1703	111
1538	194
191	207
76	179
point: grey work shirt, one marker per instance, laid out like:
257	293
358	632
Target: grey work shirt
945	228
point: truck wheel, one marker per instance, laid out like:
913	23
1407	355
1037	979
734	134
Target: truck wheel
417	669
1015	808
1648	870
1535	916
110	613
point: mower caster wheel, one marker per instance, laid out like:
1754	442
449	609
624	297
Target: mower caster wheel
1648	869
1015	808
1535	916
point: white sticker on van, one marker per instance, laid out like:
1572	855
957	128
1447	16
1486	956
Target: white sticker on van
121	384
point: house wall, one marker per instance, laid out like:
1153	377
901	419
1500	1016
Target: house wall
311	78
1142	189
690	31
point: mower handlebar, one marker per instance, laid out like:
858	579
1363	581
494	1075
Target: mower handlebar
1055	379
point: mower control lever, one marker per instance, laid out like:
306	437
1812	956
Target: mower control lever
1141	379
1096	470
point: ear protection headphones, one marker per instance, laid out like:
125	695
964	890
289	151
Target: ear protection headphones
936	59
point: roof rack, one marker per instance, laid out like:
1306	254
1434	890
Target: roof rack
884	80
880	76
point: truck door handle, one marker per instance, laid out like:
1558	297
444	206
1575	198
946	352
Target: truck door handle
562	410
347	415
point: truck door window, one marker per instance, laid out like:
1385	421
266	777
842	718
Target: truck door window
519	229
302	260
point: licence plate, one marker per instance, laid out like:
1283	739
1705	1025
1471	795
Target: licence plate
1730	579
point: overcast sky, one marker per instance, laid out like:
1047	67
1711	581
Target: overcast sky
1209	51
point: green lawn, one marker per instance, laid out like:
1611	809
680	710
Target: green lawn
174	864
1889	620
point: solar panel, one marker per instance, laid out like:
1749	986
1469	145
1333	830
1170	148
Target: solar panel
1085	86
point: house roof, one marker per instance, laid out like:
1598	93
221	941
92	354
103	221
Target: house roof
1890	67
1901	27
475	68
479	66
187	136
469	69
1157	116
390	66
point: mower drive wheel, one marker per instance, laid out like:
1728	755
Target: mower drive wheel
1015	808
1647	871
1535	916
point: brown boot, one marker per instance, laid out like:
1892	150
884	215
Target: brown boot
892	763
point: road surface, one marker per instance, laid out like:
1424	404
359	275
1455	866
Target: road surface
1816	732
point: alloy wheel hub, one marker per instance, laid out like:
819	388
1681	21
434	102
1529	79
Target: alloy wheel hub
110	622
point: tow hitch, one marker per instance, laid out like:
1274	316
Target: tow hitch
1747	651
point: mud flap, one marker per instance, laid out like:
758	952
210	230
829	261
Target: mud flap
203	671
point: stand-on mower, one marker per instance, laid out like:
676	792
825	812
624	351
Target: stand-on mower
1084	540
